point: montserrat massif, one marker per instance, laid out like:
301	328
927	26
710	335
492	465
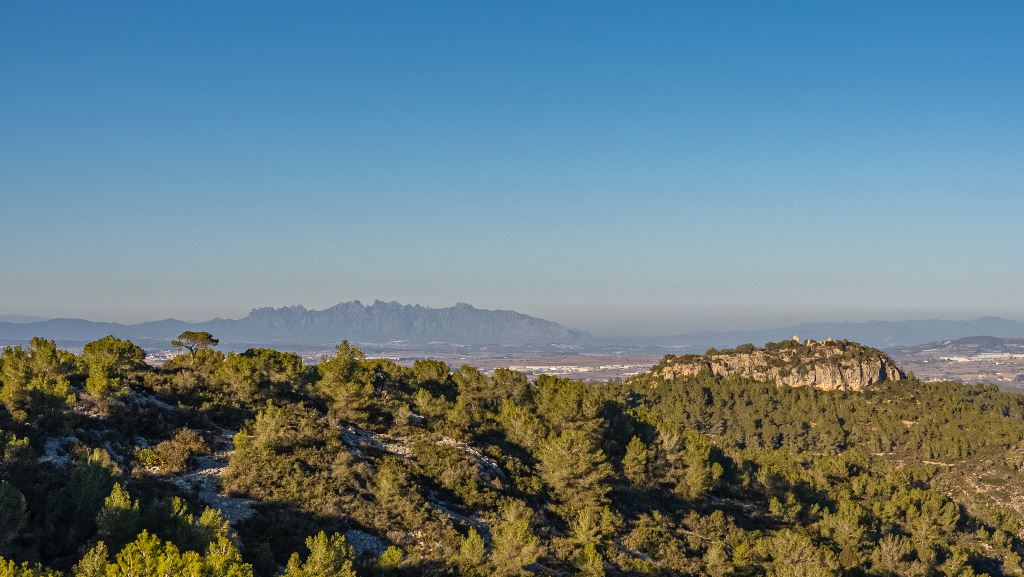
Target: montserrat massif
827	365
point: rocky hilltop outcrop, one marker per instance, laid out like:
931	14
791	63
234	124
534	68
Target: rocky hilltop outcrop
827	365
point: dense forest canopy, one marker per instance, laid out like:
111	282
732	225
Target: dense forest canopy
254	463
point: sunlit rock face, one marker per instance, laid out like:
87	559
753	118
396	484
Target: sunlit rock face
827	365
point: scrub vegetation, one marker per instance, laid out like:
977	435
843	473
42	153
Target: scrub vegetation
255	463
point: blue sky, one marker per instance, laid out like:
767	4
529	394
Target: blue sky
620	167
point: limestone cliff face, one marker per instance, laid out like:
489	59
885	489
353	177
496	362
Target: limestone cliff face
825	365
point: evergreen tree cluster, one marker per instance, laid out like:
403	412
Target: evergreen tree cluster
362	467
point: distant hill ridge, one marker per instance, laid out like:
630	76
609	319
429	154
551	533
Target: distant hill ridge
21	319
377	322
965	346
464	324
882	334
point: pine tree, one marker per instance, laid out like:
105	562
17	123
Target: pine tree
590	562
148	556
13	513
390	560
398	494
521	426
118	520
34	382
514	544
12	569
892	554
592	524
575	468
695	466
638	463
342	381
195	534
94	563
471	552
92	479
794	554
328	557
846	526
716	560
110	360
223	559
193	342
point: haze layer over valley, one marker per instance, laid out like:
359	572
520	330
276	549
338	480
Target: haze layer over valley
507	339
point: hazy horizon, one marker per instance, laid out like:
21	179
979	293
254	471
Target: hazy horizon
645	322
653	168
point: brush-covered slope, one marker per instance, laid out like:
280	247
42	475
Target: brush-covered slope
254	464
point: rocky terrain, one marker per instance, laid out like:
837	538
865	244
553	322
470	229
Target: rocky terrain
827	365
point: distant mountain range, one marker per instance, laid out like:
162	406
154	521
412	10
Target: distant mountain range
880	334
295	325
462	324
20	319
964	347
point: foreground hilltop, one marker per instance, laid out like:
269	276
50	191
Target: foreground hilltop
255	464
827	365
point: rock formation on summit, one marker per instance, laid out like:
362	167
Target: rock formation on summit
827	365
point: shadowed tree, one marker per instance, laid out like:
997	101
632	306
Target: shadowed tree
638	463
13	513
119	518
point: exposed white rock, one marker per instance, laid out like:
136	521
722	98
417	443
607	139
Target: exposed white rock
205	480
825	365
55	451
364	543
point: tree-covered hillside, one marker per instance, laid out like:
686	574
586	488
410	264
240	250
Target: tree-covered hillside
256	464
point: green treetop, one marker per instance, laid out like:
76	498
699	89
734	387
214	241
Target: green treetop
195	341
110	360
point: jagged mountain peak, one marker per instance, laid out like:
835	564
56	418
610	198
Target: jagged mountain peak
295	324
391	320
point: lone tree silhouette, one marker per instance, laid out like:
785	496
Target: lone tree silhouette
195	341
